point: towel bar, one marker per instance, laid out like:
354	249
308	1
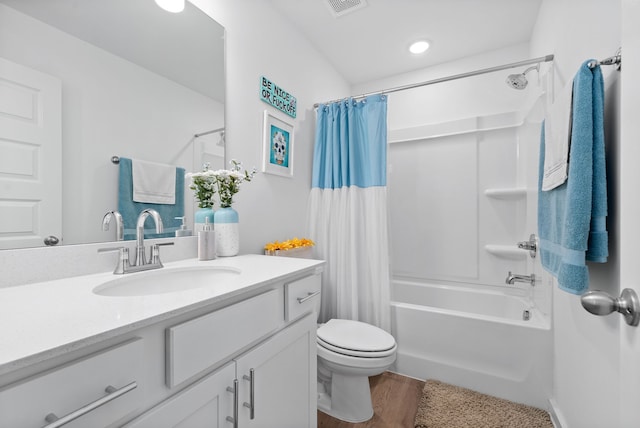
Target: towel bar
612	60
115	160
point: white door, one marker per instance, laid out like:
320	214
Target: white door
30	156
629	206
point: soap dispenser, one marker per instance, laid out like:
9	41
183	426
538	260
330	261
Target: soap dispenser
183	231
206	242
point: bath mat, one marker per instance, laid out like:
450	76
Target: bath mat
447	406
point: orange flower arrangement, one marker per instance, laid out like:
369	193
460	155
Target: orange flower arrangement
289	244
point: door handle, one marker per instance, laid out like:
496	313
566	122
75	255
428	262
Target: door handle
600	303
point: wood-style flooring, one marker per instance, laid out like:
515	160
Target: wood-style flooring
395	403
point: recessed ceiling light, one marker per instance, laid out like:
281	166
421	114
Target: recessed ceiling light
173	6
419	47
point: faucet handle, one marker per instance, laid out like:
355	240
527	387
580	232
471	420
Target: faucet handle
155	252
531	245
123	259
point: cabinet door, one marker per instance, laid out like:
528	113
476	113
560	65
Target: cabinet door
207	403
284	379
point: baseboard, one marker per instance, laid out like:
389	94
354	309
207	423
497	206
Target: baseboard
555	414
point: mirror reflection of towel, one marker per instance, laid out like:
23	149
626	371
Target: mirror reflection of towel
153	183
130	209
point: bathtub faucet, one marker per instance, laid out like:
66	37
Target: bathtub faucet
514	277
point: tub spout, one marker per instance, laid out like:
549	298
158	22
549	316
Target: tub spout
512	278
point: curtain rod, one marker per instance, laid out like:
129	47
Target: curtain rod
546	58
208	132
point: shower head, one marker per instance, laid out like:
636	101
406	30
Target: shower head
519	81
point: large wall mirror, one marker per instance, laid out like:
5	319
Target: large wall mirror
110	78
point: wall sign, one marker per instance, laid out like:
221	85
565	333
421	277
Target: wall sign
274	95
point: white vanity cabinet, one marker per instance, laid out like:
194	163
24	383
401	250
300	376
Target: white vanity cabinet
269	373
245	357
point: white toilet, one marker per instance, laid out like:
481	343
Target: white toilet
348	353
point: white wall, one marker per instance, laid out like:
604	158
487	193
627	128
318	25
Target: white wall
261	43
586	347
109	107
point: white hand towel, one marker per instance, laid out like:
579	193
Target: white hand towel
557	135
153	183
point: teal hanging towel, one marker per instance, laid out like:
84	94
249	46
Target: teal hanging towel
572	216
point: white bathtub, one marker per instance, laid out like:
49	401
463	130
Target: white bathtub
473	338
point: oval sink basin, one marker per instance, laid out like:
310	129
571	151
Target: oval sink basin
167	280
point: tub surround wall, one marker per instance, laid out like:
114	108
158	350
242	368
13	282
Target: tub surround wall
464	171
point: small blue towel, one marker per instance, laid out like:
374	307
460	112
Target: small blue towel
130	210
572	217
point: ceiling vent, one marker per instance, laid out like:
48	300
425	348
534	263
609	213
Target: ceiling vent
342	7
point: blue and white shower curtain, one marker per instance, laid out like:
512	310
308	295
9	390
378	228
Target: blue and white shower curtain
348	209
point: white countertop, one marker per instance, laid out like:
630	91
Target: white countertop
47	319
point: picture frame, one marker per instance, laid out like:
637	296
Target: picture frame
277	146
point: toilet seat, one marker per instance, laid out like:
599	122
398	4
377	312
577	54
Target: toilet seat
356	339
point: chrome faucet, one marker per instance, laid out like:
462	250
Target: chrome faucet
140	258
514	277
140	263
119	224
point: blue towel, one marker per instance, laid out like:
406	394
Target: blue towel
572	217
130	210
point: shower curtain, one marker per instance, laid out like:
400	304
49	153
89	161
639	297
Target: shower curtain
348	210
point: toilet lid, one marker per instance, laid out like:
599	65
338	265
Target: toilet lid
349	336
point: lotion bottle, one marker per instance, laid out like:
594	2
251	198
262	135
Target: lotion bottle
206	242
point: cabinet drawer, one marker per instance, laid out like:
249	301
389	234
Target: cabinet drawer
78	385
301	296
203	342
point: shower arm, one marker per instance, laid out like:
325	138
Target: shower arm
533	67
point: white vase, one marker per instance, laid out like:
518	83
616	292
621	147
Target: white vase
225	225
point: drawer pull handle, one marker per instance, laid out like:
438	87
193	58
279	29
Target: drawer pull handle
234	391
113	393
309	296
251	403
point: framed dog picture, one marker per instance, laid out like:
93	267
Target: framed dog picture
277	150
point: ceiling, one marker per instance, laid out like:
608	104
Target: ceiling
371	42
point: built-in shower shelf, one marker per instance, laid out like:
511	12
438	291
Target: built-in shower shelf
507	252
507	193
